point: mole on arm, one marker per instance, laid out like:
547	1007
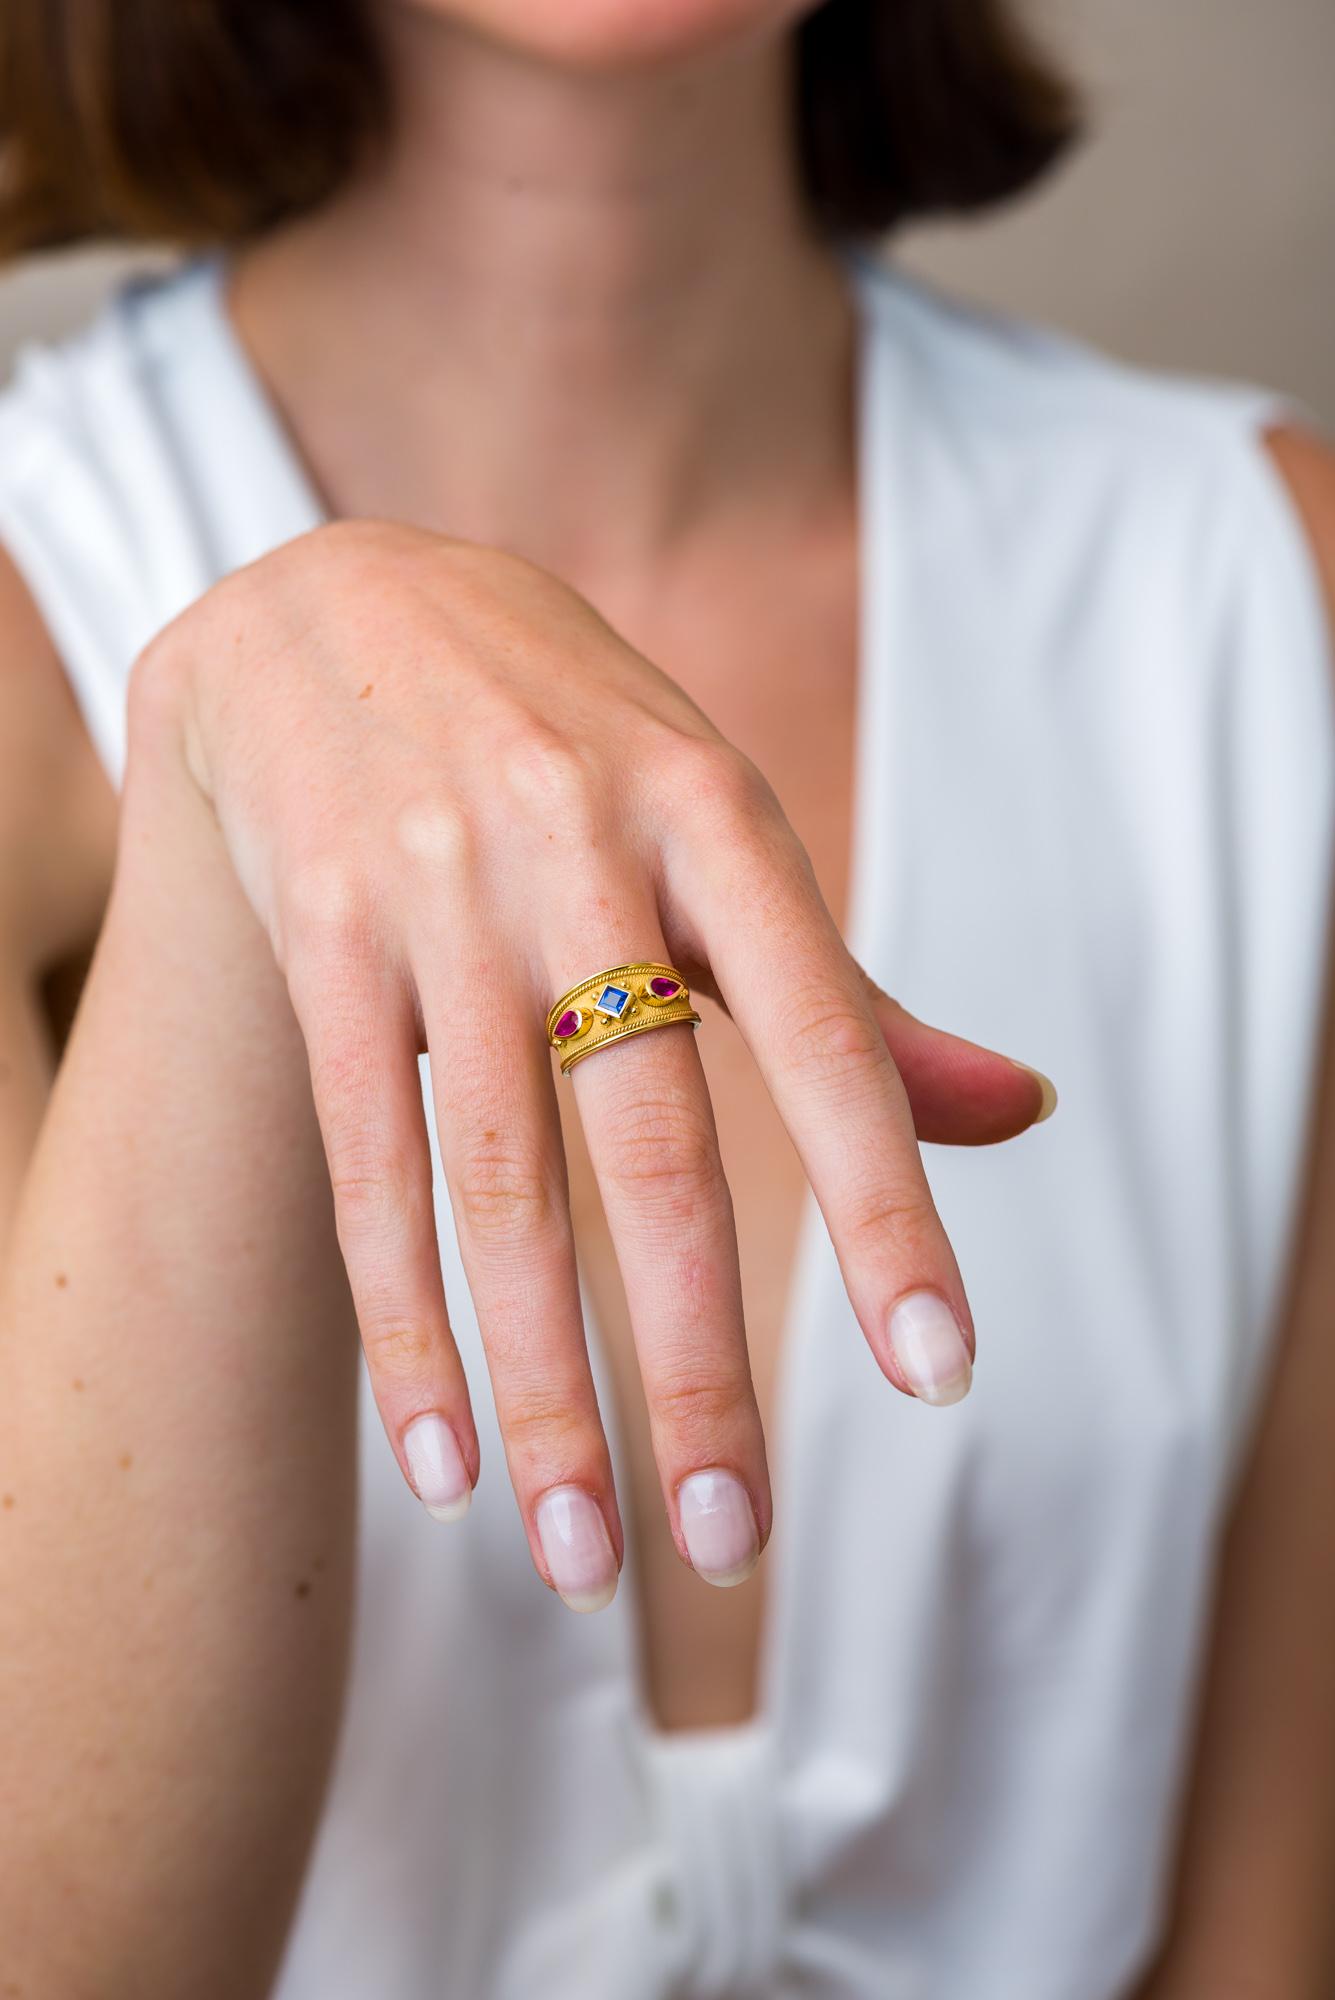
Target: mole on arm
366	691
62	1281
7	1501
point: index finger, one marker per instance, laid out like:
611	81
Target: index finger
834	1083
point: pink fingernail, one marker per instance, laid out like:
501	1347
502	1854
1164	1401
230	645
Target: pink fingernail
718	1527
437	1467
577	1547
930	1347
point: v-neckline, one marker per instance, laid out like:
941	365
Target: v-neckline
299	503
254	405
813	1254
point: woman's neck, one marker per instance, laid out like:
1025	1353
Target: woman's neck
575	315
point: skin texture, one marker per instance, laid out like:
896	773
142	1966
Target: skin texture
605	202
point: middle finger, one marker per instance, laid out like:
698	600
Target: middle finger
649	1127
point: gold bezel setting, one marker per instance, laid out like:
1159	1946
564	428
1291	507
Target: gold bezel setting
626	1000
578	1021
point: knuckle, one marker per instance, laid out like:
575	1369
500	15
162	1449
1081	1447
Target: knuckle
435	835
326	904
721	787
667	1162
903	1215
550	780
373	1187
834	1040
537	1422
501	1195
698	1403
398	1347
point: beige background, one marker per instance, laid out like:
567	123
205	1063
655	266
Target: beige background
1196	230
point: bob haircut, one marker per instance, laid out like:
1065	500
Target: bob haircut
208	121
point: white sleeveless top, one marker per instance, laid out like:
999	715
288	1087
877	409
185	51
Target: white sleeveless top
1094	810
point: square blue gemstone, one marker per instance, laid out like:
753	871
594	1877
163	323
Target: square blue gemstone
612	1001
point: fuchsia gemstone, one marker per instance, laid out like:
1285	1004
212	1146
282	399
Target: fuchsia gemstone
663	989
568	1024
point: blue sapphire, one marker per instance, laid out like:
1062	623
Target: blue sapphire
612	1001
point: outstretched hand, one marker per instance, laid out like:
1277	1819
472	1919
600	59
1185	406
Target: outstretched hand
451	791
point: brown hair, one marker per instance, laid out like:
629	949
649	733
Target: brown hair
197	121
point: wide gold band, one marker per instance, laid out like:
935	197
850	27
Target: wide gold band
612	1005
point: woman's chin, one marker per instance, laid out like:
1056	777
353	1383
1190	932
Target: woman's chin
616	34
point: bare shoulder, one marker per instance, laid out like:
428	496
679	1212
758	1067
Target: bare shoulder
1306	463
57	807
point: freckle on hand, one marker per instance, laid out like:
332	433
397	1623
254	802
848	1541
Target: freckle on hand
125	1461
7	1501
302	1589
366	691
61	1281
77	1383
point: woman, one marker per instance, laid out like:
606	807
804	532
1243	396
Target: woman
511	312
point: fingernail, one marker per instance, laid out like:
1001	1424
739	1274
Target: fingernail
437	1468
718	1527
577	1547
1047	1089
930	1347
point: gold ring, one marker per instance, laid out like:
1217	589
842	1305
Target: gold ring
612	1005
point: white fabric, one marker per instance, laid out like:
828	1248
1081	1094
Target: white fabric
1093	826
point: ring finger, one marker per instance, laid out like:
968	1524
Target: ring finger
500	1147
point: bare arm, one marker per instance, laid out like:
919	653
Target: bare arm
1253	1912
57	837
177	1383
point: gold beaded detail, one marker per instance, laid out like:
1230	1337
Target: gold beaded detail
612	1005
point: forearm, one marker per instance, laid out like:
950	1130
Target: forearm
177	1399
1251	1915
1204	1978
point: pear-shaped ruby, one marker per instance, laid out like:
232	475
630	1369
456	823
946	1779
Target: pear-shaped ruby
568	1024
664	989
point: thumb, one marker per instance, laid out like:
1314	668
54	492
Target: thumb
961	1094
